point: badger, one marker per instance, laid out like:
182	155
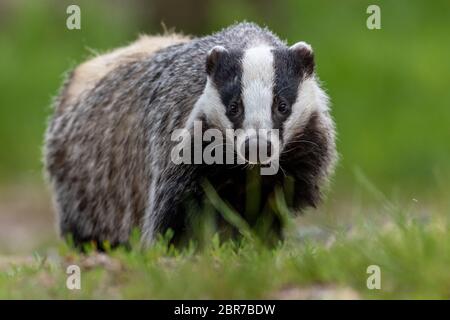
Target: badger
108	144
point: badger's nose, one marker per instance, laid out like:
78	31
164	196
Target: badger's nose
257	150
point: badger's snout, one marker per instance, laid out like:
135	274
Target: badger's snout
257	149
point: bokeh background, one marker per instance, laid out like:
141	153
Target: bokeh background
390	89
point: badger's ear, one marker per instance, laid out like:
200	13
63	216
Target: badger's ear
213	57
304	55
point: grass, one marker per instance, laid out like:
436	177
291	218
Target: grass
323	257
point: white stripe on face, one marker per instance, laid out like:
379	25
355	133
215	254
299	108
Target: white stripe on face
310	98
211	105
258	76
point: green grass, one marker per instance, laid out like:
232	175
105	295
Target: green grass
413	259
324	256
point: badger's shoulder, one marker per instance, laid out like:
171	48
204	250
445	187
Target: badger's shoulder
85	76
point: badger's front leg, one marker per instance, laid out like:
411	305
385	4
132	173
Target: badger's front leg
172	191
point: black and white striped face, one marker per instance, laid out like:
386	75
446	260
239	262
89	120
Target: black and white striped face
261	88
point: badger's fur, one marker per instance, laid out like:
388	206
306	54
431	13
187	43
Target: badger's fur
108	145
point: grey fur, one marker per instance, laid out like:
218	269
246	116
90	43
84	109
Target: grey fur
108	150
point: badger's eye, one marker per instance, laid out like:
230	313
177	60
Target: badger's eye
282	107
234	108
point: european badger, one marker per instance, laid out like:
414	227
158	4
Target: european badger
108	144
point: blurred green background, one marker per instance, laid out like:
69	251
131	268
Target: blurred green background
389	88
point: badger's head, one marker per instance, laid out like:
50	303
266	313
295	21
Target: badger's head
264	87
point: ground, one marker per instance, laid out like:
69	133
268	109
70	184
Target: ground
325	256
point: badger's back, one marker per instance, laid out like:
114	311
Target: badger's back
86	75
112	125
